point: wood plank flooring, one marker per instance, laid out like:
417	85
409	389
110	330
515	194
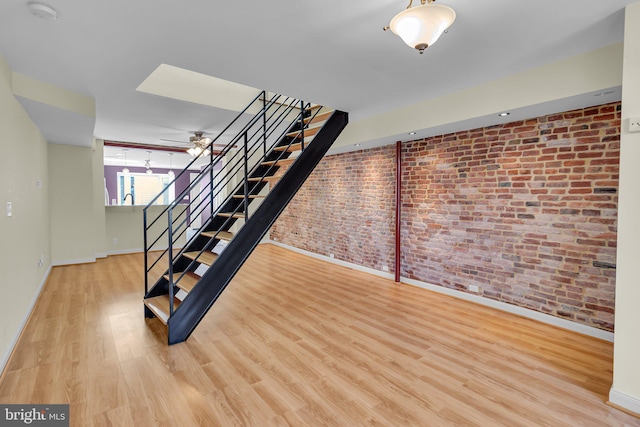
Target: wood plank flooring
300	342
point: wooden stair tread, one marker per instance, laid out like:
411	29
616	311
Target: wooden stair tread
187	282
222	235
281	162
160	306
290	148
320	117
206	258
231	214
307	132
264	178
251	196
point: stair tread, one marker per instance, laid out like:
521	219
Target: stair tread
281	162
187	282
264	178
290	148
231	214
160	306
206	257
307	132
251	196
320	117
222	235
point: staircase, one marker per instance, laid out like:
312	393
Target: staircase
193	250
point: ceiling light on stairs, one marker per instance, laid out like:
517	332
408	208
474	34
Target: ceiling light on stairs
42	10
419	27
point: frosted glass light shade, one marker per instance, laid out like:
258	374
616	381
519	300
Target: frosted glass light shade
420	26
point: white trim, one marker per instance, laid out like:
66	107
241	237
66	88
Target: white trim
499	305
101	255
625	401
334	261
514	309
14	342
73	261
125	251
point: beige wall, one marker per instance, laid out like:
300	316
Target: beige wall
589	72
626	368
99	216
124	225
24	237
74	221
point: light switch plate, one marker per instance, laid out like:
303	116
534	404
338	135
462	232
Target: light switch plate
634	124
9	209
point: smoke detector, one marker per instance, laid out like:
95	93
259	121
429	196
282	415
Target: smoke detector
43	11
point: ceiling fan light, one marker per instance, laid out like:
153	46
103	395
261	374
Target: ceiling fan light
170	174
125	171
421	26
149	171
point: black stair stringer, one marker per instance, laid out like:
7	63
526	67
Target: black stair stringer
198	302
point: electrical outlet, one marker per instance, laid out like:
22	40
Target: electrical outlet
634	125
9	209
41	261
473	288
385	268
115	242
330	255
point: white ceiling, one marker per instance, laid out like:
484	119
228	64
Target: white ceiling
330	52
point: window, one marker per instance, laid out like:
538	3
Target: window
141	188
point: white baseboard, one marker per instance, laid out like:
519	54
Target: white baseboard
624	401
334	261
499	305
7	355
73	261
514	309
125	251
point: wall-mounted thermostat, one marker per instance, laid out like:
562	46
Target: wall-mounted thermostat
634	124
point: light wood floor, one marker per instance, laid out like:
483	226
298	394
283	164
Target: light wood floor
296	341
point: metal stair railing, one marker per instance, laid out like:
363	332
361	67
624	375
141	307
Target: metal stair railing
258	134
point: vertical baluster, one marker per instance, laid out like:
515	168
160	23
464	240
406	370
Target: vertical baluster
302	125
246	179
170	254
146	252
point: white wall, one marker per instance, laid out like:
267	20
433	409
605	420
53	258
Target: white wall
24	236
625	391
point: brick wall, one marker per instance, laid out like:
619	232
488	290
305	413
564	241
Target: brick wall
525	211
346	208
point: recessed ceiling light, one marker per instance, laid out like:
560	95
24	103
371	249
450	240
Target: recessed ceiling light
412	133
43	11
505	114
357	145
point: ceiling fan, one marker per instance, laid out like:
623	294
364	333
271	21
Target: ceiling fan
197	144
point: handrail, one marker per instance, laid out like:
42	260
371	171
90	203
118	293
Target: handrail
256	138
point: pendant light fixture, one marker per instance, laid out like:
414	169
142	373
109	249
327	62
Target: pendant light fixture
170	173
147	163
125	170
419	27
